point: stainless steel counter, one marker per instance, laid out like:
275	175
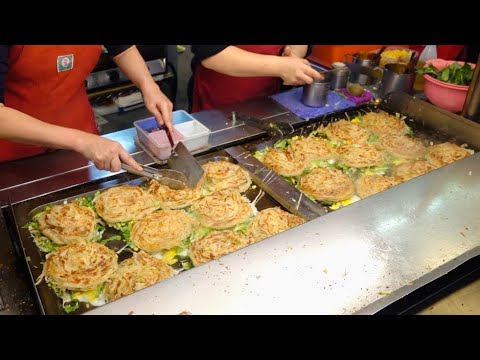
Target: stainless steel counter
358	259
28	178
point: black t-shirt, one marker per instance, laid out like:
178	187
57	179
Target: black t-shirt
113	50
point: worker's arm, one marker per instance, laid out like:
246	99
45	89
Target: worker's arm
234	61
105	154
296	50
133	66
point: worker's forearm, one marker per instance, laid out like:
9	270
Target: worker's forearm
234	61
299	50
19	127
133	66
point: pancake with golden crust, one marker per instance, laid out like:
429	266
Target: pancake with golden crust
325	184
359	155
346	131
124	203
164	229
215	245
81	266
382	123
136	273
368	185
223	209
285	162
312	148
220	175
446	153
269	222
402	146
411	169
68	223
171	199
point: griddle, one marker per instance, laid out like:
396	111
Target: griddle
47	301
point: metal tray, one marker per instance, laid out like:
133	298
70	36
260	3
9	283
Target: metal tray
47	301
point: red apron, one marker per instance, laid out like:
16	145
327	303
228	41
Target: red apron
41	85
213	90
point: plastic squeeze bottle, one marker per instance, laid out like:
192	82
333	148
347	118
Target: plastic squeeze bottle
428	53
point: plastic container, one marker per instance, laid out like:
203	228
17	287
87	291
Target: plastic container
428	53
447	96
186	129
195	134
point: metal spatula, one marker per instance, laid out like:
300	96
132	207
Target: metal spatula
171	178
183	161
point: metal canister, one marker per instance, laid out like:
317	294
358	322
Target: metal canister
363	59
339	76
395	78
316	94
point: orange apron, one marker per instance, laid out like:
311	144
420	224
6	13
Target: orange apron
48	83
213	89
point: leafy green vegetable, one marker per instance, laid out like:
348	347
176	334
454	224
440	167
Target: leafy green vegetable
346	169
88	200
318	164
31	224
69	303
260	154
58	291
319	133
100	228
377	170
71	306
242	228
291	179
186	264
454	73
111	238
198	234
125	228
282	144
43	243
373	138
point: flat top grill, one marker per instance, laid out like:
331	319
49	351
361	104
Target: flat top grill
359	259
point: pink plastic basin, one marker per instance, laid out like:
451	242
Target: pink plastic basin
450	97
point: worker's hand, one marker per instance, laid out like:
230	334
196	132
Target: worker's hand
297	71
158	104
104	153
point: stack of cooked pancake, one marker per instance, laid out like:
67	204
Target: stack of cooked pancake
349	160
163	227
